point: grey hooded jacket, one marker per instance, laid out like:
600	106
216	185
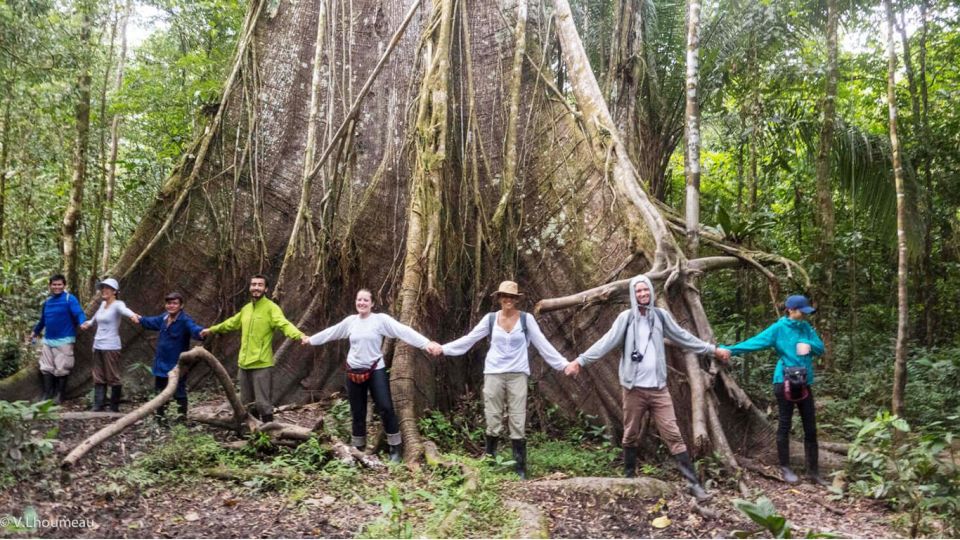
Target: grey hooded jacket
624	334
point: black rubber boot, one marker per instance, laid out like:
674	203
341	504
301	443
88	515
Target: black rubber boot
812	453
266	418
687	470
491	446
49	385
115	392
61	390
520	457
629	461
160	415
181	409
396	453
99	395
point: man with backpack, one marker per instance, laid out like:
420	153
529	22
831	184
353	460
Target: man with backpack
60	315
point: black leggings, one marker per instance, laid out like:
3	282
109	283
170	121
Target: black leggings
379	386
807	415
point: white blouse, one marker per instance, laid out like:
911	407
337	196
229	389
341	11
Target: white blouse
107	320
508	350
366	337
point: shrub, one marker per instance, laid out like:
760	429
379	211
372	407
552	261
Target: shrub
22	451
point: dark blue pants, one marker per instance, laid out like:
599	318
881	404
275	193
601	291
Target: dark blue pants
159	383
379	387
807	416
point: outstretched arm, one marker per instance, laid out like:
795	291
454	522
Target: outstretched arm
463	344
546	349
763	340
340	330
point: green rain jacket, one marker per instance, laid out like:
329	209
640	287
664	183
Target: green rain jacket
257	321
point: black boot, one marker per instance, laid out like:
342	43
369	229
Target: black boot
520	457
49	385
687	470
160	415
115	392
396	453
266	418
811	451
182	410
491	446
629	461
61	390
99	395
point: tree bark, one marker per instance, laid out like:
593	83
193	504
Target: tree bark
824	216
72	215
692	154
111	181
900	362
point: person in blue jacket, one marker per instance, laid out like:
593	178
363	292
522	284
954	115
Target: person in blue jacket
176	329
60	315
796	343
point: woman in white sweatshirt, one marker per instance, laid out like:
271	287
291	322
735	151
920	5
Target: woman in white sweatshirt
507	368
366	370
106	344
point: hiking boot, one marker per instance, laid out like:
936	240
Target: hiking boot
61	390
99	395
490	448
115	393
396	453
629	461
520	457
811	452
689	472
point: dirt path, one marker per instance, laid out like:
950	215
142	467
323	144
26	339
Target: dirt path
96	501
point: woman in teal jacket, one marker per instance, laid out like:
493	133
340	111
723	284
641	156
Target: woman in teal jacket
796	343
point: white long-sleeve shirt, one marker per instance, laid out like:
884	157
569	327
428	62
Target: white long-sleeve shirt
366	337
107	320
508	350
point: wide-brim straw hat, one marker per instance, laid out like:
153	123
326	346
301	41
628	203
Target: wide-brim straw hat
508	288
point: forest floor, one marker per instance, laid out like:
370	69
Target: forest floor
160	482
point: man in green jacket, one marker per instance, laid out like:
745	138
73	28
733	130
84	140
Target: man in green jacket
257	322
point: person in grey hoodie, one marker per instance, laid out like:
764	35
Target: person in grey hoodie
640	331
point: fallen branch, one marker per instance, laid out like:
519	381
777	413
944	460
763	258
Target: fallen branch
88	415
644	487
128	420
198	354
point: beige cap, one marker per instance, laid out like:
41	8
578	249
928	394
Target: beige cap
508	287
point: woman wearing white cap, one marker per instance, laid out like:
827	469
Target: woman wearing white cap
507	368
106	344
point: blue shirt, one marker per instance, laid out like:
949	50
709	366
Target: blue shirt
60	315
783	337
174	339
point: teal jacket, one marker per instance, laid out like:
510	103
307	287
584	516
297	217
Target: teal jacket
783	337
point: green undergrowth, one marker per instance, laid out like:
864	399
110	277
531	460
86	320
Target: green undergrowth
436	501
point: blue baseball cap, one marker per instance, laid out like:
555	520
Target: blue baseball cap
798	301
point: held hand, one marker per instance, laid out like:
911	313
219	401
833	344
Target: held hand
86	325
135	318
723	355
434	349
205	332
572	369
305	340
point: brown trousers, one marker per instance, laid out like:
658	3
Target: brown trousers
106	367
637	401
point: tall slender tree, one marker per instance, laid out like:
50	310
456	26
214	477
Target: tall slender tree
72	216
824	215
692	168
900	361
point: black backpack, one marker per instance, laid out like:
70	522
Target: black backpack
492	319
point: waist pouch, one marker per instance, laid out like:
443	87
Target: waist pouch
795	387
360	375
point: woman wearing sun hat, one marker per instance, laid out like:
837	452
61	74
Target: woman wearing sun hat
106	345
507	367
796	343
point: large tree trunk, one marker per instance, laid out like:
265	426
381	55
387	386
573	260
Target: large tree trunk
407	200
824	216
692	213
903	313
